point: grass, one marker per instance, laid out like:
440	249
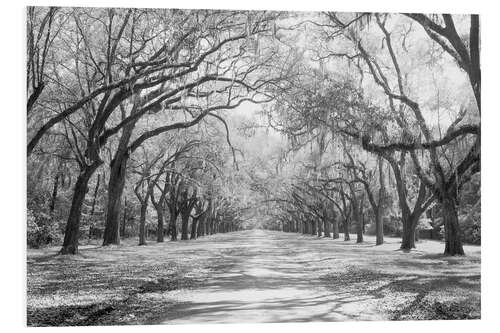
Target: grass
101	286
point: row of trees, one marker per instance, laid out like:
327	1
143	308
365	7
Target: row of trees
128	110
180	186
376	119
104	84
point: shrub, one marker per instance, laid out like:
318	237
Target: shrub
471	228
41	229
393	225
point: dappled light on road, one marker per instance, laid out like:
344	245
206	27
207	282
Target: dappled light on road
250	276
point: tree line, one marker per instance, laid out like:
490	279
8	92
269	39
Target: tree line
128	112
371	124
105	83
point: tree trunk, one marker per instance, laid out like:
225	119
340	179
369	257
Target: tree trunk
211	227
194	227
71	233
346	230
313	228
116	183
115	189
159	227
124	219
359	232
409	218
201	227
142	223
409	226
320	229
335	228
453	236
379	226
184	226
380	209
358	218
92	209
326	228
173	227
54	193
94	199
198	228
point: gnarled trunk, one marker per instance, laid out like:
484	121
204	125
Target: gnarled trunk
409	226
71	233
335	228
452	232
184	226
116	185
115	190
172	226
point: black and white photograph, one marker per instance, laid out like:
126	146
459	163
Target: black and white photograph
243	166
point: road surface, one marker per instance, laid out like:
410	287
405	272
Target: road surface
251	277
262	276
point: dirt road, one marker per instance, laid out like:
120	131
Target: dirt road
252	276
278	277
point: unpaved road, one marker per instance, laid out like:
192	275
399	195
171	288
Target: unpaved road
277	277
269	277
249	277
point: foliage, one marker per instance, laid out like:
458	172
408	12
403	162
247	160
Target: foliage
156	104
41	230
471	227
